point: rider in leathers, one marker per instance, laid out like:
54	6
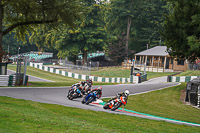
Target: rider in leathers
83	86
124	94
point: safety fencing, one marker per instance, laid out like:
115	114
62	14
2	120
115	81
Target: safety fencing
132	79
181	78
7	80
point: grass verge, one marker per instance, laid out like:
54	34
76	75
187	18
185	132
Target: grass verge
28	116
189	73
151	75
164	103
59	84
59	79
45	75
104	72
120	72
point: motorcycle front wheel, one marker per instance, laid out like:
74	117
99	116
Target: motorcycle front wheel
89	100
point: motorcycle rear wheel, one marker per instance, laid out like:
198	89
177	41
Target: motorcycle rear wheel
116	106
70	97
106	106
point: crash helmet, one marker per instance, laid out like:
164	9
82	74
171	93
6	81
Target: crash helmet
99	88
126	92
89	81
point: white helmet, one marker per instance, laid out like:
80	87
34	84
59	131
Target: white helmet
126	92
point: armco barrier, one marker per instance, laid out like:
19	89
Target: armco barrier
132	79
143	78
12	79
181	78
7	80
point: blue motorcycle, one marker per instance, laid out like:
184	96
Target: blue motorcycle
74	93
90	97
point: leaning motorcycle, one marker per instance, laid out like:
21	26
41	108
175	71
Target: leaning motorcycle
89	98
86	89
115	103
73	93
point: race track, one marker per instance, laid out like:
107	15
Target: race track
57	95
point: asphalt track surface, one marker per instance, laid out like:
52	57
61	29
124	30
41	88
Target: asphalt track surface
57	95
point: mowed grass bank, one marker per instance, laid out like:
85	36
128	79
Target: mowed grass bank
190	73
164	103
120	72
59	80
27	116
103	72
45	75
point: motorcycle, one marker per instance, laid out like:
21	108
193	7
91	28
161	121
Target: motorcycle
86	89
89	98
73	93
115	103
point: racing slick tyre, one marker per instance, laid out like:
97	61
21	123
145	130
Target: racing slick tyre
106	106
116	106
89	100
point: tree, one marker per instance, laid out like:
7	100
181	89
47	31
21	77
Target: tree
121	17
88	36
117	49
23	15
11	45
182	29
148	25
140	20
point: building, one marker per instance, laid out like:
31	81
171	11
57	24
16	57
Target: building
157	59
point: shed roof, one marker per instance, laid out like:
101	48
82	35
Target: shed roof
155	51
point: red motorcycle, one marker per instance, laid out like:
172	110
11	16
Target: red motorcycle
115	103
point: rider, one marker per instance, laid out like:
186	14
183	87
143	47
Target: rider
86	85
98	92
89	82
125	94
83	84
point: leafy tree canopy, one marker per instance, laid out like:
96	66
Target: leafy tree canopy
145	22
88	36
182	29
23	15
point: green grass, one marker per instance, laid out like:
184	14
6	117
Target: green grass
103	72
151	75
164	103
59	79
189	73
120	72
112	72
20	116
59	84
46	75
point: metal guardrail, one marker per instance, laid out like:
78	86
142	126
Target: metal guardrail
131	79
7	80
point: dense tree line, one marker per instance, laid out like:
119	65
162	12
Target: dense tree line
24	16
118	27
182	29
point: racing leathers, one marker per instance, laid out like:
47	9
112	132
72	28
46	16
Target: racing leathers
118	95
